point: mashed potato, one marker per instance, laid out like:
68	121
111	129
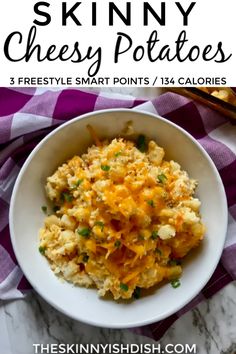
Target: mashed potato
123	218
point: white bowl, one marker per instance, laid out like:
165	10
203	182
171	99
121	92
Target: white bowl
26	218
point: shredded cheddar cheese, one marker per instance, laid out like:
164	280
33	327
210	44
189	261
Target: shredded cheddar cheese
122	215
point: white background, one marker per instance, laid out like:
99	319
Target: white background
210	21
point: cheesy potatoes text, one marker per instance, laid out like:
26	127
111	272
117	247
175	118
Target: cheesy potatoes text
123	218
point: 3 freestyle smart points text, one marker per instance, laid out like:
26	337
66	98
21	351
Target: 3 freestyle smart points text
118	81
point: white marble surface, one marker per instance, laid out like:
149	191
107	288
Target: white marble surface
211	325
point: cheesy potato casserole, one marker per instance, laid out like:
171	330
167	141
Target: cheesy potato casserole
223	93
123	218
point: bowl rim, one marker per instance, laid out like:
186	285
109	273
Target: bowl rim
125	324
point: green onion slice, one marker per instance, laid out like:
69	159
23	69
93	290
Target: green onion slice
117	243
151	203
66	197
42	250
162	178
85	232
175	283
44	209
124	287
141	143
105	168
154	235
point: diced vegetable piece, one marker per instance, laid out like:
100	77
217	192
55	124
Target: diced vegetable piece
44	209
162	178
154	235
105	168
117	243
141	143
85	232
175	283
151	203
42	250
65	196
124	287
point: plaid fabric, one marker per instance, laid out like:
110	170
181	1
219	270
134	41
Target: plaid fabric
28	114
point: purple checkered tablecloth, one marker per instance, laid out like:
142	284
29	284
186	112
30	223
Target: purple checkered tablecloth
28	114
